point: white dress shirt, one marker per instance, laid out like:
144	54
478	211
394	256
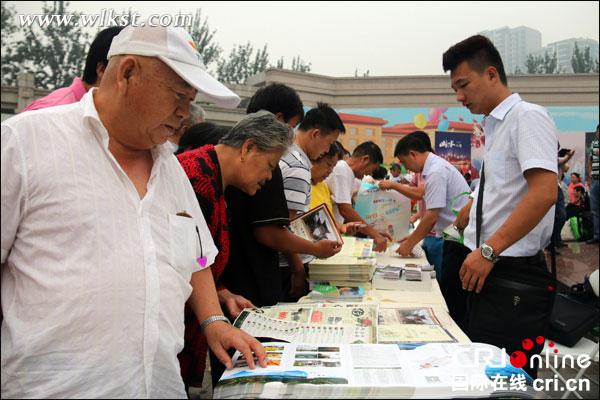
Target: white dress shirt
443	185
96	279
518	136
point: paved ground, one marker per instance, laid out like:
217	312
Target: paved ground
573	263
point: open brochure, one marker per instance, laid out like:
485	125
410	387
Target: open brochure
410	327
316	224
345	323
361	371
312	323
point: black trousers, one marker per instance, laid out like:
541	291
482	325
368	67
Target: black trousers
515	304
450	284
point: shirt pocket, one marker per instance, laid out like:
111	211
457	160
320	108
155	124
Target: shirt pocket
183	238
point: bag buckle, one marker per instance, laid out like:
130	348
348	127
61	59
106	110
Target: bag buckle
516	300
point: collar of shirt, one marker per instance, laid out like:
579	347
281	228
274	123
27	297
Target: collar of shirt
300	155
498	114
428	163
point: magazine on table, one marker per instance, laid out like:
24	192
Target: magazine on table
316	224
304	370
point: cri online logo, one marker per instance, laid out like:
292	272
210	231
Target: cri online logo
518	359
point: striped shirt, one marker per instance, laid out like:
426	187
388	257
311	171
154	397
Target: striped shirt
595	159
295	169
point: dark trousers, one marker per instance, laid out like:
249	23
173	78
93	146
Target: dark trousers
515	304
450	285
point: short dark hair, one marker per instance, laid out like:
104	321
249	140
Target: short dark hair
580	189
369	149
396	166
324	118
479	52
576	174
414	141
199	135
98	52
379	173
334	150
277	98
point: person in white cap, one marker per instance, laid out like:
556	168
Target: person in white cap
103	240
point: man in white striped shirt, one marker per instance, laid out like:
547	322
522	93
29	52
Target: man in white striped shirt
320	127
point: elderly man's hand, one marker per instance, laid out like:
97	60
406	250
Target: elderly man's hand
233	304
326	248
222	336
474	271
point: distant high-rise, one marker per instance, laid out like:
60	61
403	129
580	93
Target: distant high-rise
514	45
564	51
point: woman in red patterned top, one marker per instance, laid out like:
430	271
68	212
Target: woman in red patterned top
244	158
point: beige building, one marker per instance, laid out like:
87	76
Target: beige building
368	92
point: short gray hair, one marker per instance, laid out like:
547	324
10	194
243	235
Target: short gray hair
264	128
196	115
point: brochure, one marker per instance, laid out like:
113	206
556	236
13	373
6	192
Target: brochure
316	224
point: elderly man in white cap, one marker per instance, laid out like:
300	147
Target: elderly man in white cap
103	240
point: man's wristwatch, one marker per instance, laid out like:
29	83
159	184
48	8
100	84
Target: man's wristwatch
488	253
211	319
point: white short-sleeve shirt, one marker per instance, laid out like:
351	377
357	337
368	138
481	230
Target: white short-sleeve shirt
95	281
518	136
443	186
340	183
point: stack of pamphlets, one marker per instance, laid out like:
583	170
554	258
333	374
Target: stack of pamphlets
408	278
412	272
324	291
355	263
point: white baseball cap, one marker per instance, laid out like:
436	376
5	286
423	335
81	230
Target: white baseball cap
176	48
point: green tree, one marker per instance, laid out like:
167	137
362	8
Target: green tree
242	63
8	23
203	36
55	53
545	64
300	65
582	62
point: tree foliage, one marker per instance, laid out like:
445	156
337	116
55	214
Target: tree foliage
204	38
242	63
582	62
545	64
55	54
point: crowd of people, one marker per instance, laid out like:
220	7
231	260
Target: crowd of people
134	231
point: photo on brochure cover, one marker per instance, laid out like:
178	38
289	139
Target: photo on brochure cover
316	224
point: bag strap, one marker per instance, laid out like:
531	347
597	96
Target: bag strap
479	210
